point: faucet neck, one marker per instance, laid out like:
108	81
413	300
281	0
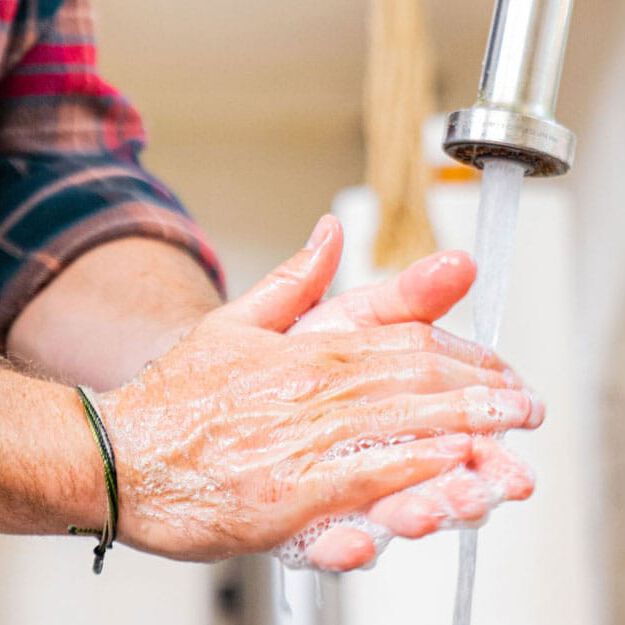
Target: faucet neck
525	55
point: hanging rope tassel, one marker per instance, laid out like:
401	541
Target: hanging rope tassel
398	99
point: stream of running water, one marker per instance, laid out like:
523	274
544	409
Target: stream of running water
494	246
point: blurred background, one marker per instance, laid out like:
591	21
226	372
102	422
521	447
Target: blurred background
254	111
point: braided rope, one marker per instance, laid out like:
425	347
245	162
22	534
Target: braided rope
107	535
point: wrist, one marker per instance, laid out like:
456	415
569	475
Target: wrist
149	453
50	472
120	411
79	497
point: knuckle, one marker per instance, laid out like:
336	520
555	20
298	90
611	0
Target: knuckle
431	368
474	406
466	417
293	270
362	482
327	491
282	483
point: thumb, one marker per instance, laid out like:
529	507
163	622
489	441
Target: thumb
423	292
295	286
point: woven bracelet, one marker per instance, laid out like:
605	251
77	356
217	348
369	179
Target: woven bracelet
106	536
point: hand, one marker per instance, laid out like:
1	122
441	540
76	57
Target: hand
224	445
424	292
465	495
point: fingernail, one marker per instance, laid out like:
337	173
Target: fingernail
537	410
436	262
516	484
512	379
342	549
319	234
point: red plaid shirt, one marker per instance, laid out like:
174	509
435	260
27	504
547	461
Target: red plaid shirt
70	176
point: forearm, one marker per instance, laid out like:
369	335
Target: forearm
50	473
117	307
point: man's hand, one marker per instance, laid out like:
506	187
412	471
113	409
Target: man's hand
230	443
423	292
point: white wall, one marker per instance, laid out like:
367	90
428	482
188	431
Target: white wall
600	189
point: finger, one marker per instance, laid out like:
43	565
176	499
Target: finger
459	496
293	287
390	374
423	292
406	337
351	482
474	410
341	549
510	477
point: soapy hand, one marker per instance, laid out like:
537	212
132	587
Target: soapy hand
235	440
423	292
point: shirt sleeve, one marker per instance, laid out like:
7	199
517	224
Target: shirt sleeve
70	174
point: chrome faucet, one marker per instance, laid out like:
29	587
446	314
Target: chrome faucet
514	115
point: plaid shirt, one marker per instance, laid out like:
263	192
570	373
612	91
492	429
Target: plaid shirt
70	176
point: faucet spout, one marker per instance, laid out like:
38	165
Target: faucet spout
514	115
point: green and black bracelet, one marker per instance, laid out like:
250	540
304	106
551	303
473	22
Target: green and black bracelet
107	535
